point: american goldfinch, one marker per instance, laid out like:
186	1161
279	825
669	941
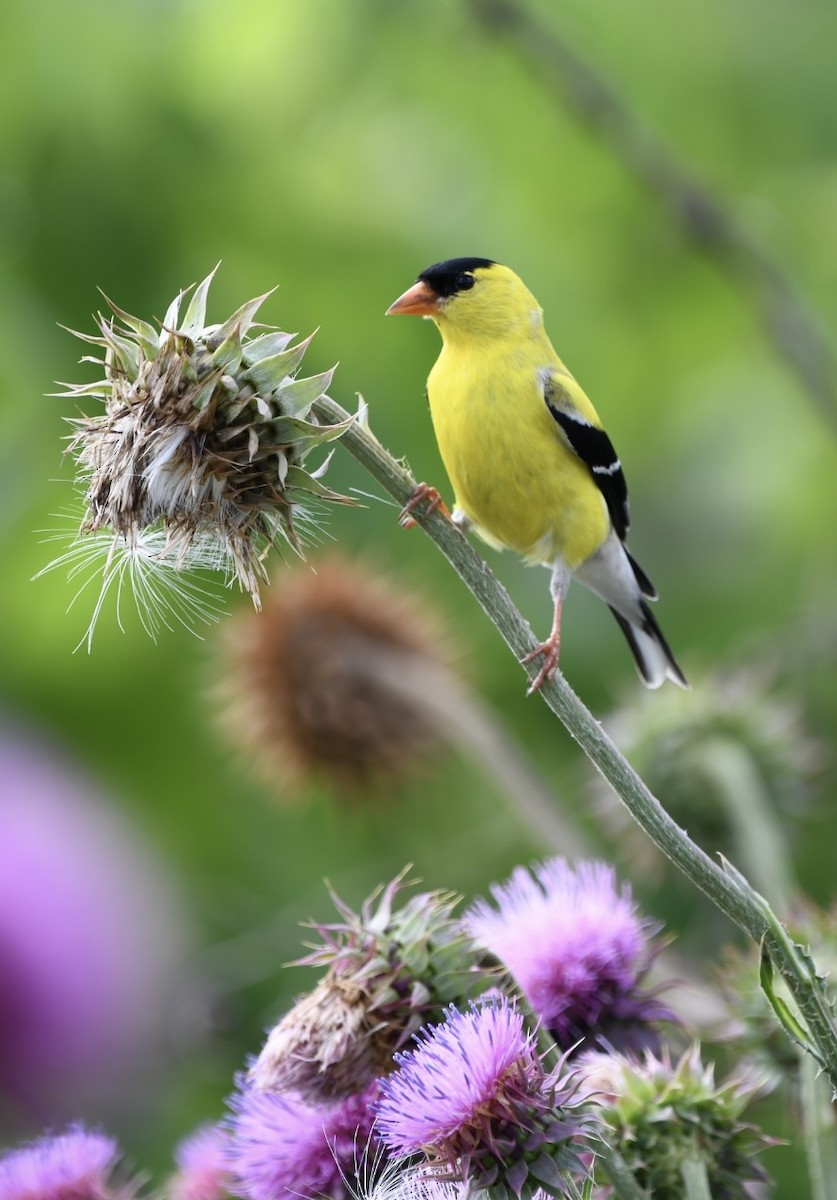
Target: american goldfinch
531	466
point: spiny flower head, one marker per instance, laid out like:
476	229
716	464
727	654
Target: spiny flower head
76	1165
198	458
389	971
203	1169
328	681
577	948
660	1115
280	1146
697	750
474	1098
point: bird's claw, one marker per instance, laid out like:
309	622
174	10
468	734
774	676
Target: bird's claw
550	650
422	492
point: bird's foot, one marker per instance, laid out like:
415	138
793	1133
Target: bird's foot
422	492
550	650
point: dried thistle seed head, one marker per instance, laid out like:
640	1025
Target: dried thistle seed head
330	1043
334	680
198	458
388	973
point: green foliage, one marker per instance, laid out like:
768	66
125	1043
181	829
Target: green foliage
336	148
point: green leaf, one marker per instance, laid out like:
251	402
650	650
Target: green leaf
126	352
205	390
788	1020
290	430
300	480
172	312
102	389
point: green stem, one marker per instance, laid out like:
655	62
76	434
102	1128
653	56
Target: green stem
819	1130
725	886
621	1177
459	715
695	1182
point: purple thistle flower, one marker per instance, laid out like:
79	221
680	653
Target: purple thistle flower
203	1166
474	1097
281	1147
75	1165
455	1070
91	940
578	949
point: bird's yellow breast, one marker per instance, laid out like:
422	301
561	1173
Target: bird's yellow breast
512	473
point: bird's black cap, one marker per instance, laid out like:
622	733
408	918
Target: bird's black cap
445	277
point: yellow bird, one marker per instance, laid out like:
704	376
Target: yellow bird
531	466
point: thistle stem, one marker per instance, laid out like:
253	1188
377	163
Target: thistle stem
625	1186
724	886
459	715
695	1182
819	1130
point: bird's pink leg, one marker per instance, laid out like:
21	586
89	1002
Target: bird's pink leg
550	649
434	503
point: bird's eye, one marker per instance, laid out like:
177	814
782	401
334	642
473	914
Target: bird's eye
464	283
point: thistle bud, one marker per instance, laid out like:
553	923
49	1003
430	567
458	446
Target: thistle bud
732	763
669	1119
198	459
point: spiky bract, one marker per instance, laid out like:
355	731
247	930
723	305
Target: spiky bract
661	1115
388	973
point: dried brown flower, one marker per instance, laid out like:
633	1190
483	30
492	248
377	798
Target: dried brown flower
389	971
334	680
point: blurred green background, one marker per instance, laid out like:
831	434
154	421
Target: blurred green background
335	148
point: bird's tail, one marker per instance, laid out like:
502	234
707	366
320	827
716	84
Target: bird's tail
652	653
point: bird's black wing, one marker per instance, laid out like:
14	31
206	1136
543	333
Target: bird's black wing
593	447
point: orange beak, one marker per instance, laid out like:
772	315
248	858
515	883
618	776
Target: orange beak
417	301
